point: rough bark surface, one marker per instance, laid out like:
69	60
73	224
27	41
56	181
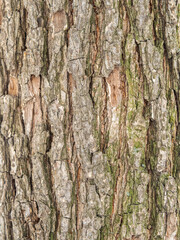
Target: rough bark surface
89	119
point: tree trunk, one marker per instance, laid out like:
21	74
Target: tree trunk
89	119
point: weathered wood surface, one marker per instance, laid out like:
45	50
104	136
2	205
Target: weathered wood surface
89	119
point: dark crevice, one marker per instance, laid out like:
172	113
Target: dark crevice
78	201
50	137
69	90
95	44
70	21
23	23
29	165
91	90
13	188
45	56
46	164
21	38
104	135
141	72
28	160
24	225
4	75
158	23
97	10
177	99
10	191
22	119
150	5
91	158
70	85
40	96
72	156
151	154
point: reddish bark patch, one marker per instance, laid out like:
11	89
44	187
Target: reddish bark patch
116	80
59	20
13	86
72	82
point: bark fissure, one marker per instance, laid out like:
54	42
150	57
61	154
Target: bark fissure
89	120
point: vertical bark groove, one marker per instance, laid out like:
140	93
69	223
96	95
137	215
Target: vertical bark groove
89	120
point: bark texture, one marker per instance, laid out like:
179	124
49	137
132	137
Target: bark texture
89	119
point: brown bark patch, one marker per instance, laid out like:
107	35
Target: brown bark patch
33	110
34	85
13	86
72	82
59	21
116	80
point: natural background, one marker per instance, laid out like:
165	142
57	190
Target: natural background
89	119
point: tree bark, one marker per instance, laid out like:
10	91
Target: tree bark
89	119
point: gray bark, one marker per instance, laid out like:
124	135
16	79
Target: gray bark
89	119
